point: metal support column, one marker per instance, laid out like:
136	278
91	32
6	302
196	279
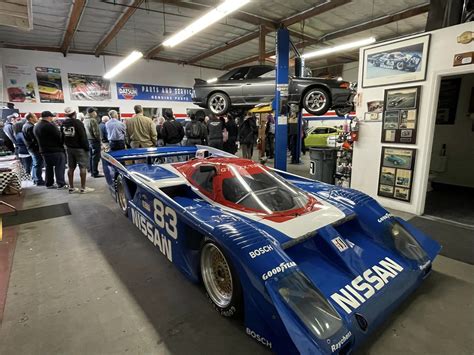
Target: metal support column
299	72
281	97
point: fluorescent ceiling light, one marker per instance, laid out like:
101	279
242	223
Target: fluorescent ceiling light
123	64
208	19
213	80
342	47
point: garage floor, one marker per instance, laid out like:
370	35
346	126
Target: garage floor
89	283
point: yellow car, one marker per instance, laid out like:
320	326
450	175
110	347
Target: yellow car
50	91
318	136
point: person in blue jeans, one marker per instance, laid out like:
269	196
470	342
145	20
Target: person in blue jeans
33	149
51	147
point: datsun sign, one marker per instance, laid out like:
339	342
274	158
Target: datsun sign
128	91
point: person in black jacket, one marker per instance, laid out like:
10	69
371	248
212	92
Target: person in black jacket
51	147
33	149
247	134
215	129
22	151
195	131
172	131
77	148
230	145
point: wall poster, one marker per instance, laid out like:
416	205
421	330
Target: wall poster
20	83
402	61
396	173
400	115
128	91
88	87
50	85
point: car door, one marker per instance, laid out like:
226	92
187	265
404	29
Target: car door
259	85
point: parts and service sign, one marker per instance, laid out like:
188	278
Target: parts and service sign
128	91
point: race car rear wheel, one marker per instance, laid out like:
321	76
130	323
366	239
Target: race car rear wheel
400	65
221	283
218	103
317	101
121	194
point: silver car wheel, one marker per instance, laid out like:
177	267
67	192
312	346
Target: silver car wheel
216	275
315	100
218	103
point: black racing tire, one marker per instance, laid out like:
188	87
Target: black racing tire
400	65
220	281
121	194
218	103
317	101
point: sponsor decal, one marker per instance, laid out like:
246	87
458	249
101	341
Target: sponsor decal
340	244
260	251
132	91
384	217
340	343
279	269
258	338
364	286
163	231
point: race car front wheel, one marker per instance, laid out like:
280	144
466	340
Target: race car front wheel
121	194
317	101
221	282
218	103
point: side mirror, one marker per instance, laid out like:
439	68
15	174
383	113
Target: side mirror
207	168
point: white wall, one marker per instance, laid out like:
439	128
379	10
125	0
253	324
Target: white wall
142	72
367	151
459	140
350	71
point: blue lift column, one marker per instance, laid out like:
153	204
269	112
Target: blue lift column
299	72
281	97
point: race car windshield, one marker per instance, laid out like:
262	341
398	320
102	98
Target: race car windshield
261	190
309	305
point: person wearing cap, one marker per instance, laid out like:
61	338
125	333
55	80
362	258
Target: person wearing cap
115	131
77	149
33	149
93	136
51	147
141	131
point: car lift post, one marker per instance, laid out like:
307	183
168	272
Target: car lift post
281	98
299	72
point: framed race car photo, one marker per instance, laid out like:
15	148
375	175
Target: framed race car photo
402	61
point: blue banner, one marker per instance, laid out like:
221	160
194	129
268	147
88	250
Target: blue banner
128	91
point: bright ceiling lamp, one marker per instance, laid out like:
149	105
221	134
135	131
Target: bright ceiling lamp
208	19
342	47
123	64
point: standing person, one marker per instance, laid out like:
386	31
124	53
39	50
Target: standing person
115	131
141	131
200	117
8	129
215	129
159	124
51	147
77	148
25	157
195	132
93	135
172	131
270	137
247	131
230	146
103	133
33	149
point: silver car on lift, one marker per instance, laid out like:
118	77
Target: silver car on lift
251	85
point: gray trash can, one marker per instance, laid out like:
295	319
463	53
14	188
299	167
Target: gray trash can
323	164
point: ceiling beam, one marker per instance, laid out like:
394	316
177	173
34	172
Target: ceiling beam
313	11
76	13
380	21
233	43
154	51
123	19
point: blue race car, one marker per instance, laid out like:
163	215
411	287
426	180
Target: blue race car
310	267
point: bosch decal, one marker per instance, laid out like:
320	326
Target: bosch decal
364	286
259	338
260	251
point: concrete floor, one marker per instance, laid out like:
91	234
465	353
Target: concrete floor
89	283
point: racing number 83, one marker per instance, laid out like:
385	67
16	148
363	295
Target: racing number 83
165	217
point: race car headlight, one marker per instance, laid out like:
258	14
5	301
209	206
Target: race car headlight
309	305
406	244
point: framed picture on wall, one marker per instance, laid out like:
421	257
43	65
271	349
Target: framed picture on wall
397	62
396	173
400	115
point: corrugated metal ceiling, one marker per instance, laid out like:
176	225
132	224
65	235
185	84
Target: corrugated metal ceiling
153	21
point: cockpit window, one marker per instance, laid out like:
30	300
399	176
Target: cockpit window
204	179
261	191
